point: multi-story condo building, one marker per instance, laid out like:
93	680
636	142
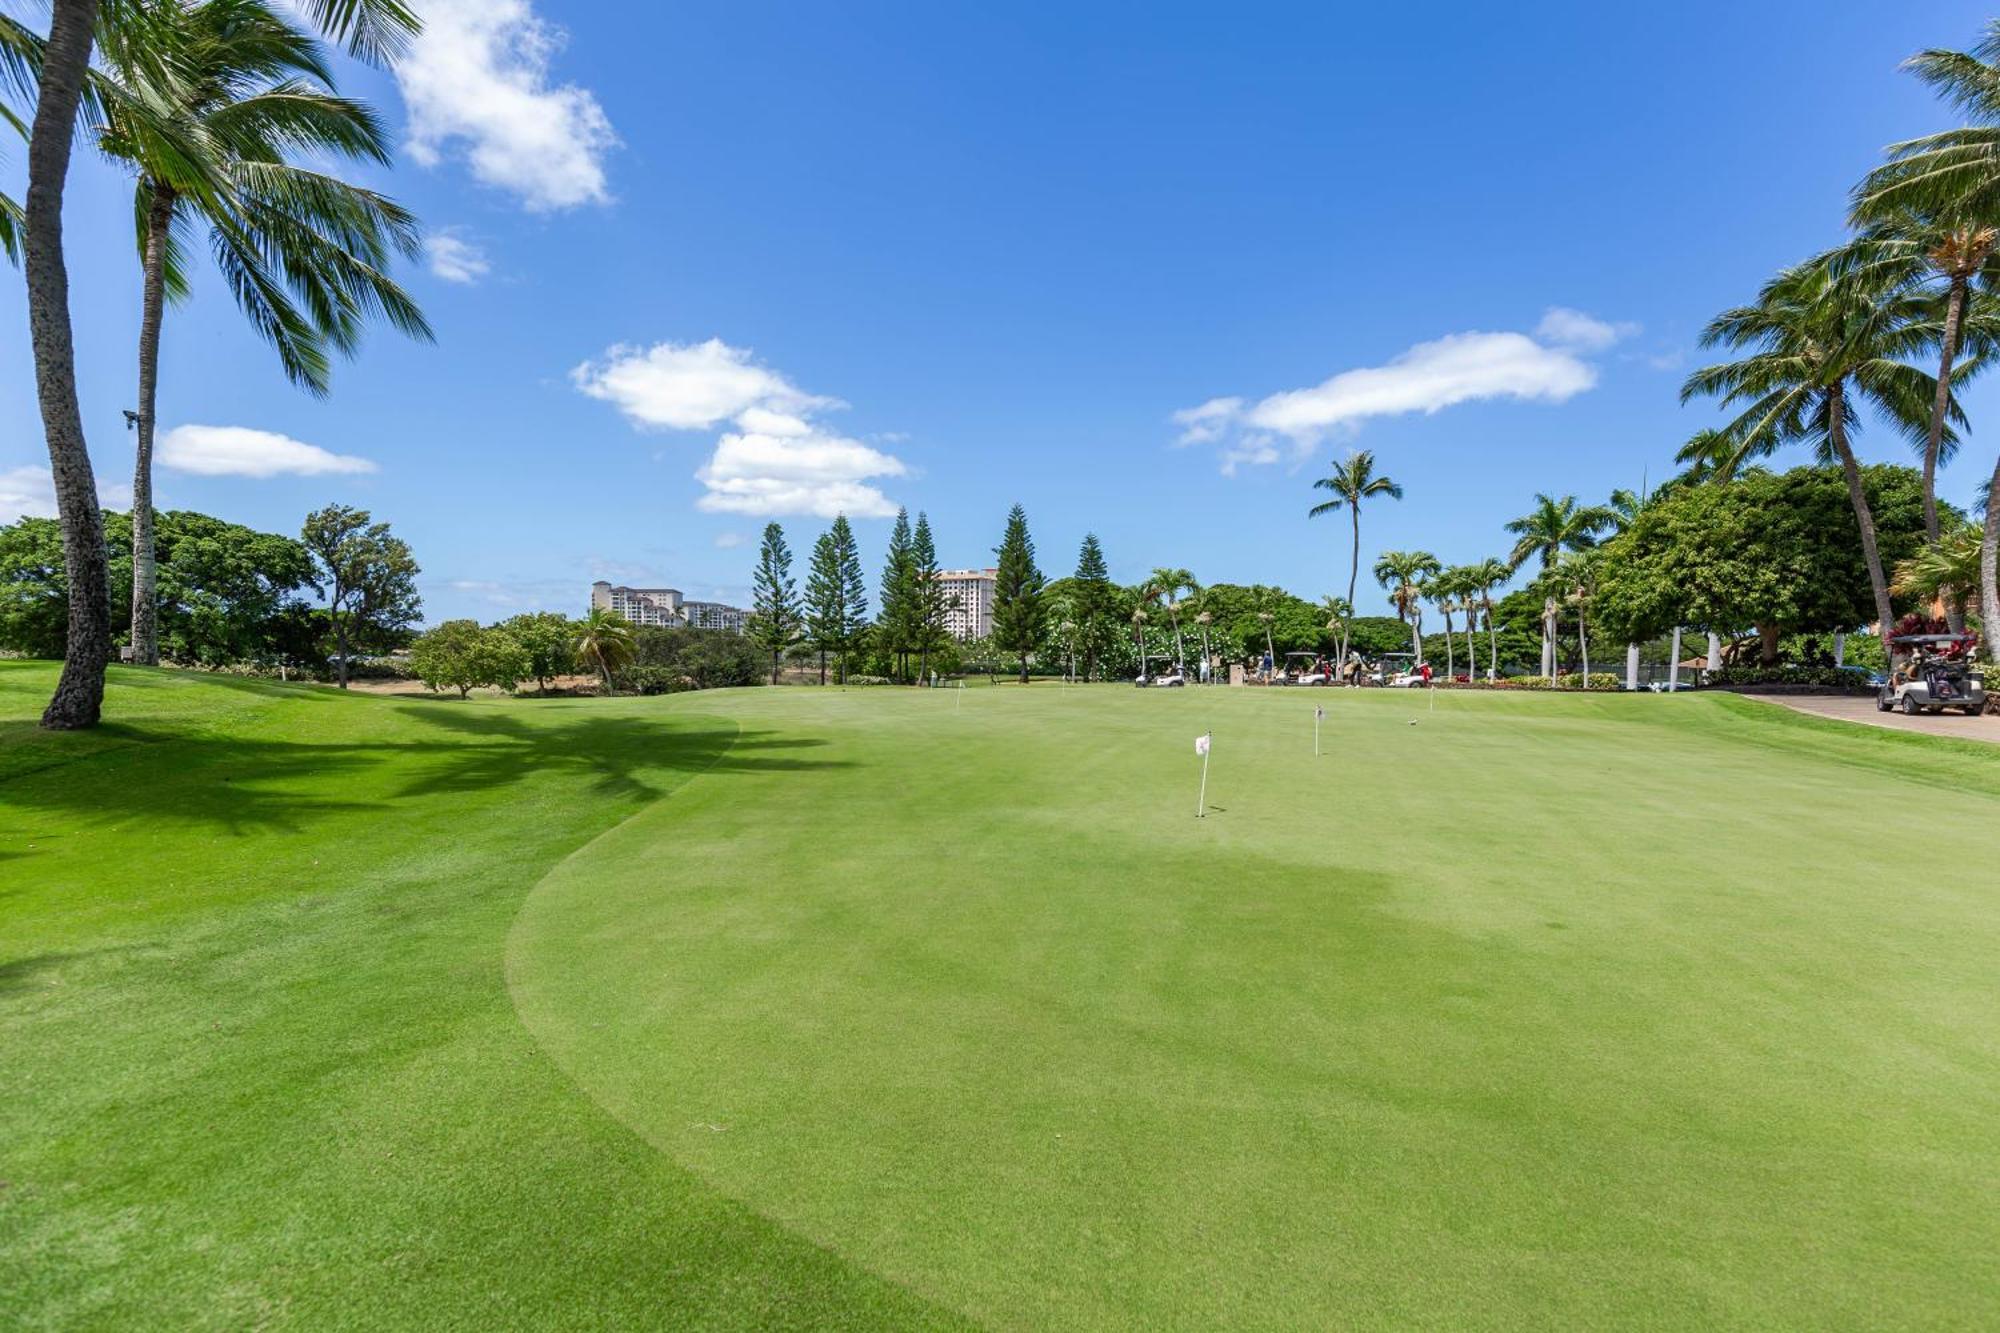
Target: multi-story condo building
968	601
665	607
714	615
641	606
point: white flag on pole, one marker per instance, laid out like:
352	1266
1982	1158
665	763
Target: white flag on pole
1318	713
1201	745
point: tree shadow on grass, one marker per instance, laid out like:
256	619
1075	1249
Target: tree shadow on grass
239	783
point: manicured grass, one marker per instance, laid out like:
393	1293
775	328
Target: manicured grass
891	1008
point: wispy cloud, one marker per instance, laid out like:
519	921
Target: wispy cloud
30	492
454	258
1431	376
779	459
239	451
477	83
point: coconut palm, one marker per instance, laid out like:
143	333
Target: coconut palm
1485	577
1545	532
1946	571
1444	596
1352	480
372	29
1577	576
1168	586
303	251
1822	340
1403	574
604	642
1204	619
1139	619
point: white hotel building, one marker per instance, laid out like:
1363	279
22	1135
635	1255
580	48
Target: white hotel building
665	607
971	617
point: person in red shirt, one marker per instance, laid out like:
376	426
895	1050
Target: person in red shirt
1426	669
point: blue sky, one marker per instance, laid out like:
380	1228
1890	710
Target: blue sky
694	267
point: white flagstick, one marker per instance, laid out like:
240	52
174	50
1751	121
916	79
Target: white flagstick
1318	713
1201	800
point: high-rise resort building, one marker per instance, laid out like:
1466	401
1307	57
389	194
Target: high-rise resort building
665	607
971	615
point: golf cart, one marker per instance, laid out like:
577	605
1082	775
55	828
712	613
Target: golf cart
1305	669
1166	676
1938	675
1399	671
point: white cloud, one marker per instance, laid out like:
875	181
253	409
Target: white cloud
693	386
777	460
477	80
30	492
1563	327
238	451
728	541
823	475
454	258
1429	377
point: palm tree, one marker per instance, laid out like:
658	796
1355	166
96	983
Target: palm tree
603	643
1139	619
1338	612
1444	596
372	29
1947	571
1577	573
1823	339
1550	528
1403	574
1485	577
303	251
1352	481
1167	585
1204	619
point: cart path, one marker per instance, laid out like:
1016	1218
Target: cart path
1861	708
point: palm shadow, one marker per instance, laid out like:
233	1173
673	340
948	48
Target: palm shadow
239	784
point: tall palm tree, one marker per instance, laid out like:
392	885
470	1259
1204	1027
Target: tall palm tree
1823	339
303	251
1139	619
1443	594
1546	531
1577	574
1167	586
1403	574
1204	619
1352	480
372	29
604	642
1485	576
1338	612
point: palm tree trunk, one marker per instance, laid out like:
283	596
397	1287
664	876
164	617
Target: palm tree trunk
1353	572
1471	644
145	569
79	697
1417	638
1583	645
1989	569
1450	659
1954	317
1492	642
1857	493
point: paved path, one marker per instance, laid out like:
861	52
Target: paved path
1850	708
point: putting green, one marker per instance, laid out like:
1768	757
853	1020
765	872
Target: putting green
1554	1011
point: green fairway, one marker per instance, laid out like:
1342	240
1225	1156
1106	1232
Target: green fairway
889	1008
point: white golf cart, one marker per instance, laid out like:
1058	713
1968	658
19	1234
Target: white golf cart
1164	676
1938	675
1305	669
1399	671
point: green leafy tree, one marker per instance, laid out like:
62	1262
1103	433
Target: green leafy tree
367	576
1352	481
604	643
1776	551
304	253
372	29
1017	592
775	621
461	655
853	591
1403	573
549	640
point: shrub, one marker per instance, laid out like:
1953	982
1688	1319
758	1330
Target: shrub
651	680
1598	680
1819	677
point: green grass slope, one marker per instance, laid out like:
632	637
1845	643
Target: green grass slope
899	1009
258	1065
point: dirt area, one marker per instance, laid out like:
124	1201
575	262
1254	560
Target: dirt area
561	684
1861	708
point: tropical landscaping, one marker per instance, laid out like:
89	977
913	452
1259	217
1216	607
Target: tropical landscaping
362	966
